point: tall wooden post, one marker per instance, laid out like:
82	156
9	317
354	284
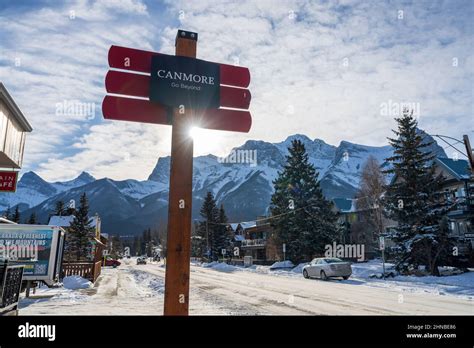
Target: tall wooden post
180	198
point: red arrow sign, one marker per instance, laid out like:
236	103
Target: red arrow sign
139	60
139	110
136	85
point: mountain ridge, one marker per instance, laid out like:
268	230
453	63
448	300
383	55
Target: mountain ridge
129	206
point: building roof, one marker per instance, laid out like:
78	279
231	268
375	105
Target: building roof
248	224
65	221
234	226
6	221
344	205
15	110
458	168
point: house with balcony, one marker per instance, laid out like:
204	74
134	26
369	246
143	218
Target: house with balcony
256	239
13	129
458	191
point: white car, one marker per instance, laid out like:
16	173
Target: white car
327	267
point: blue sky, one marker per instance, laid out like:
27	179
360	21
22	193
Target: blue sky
321	68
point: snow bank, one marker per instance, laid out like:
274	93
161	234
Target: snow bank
282	264
76	282
299	268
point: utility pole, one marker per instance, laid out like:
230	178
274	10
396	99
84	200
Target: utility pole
180	198
470	155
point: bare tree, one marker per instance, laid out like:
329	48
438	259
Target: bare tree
372	186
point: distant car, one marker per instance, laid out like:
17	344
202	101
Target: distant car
112	262
141	261
327	267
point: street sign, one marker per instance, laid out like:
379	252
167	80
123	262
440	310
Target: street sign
138	60
8	180
183	81
223	252
136	85
284	247
381	243
181	91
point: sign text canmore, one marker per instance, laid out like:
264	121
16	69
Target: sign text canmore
183	81
183	92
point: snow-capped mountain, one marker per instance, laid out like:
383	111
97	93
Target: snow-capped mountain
129	206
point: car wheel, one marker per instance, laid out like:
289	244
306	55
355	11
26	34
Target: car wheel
324	276
305	274
346	277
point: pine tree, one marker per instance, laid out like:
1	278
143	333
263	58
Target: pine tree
16	215
8	214
223	237
206	235
32	219
60	208
412	200
304	219
80	232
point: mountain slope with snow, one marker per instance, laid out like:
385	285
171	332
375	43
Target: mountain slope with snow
129	206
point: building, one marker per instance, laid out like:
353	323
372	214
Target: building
257	239
100	241
13	129
458	192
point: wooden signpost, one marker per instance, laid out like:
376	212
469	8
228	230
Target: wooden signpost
184	92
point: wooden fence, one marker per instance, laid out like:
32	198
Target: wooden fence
86	269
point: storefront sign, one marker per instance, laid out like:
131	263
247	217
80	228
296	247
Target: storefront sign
8	181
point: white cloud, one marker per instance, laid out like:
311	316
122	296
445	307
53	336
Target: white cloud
322	69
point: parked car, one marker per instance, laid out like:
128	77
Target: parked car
141	261
111	262
325	268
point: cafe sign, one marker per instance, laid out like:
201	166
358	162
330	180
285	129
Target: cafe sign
8	180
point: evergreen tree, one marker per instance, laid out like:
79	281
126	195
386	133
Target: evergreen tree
16	215
222	238
32	219
412	200
8	214
80	233
304	219
207	232
59	209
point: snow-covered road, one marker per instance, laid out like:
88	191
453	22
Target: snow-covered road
138	290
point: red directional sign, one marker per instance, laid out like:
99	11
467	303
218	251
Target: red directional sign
140	110
136	85
138	60
205	90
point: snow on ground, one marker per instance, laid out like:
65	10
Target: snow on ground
76	282
461	285
282	265
222	289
